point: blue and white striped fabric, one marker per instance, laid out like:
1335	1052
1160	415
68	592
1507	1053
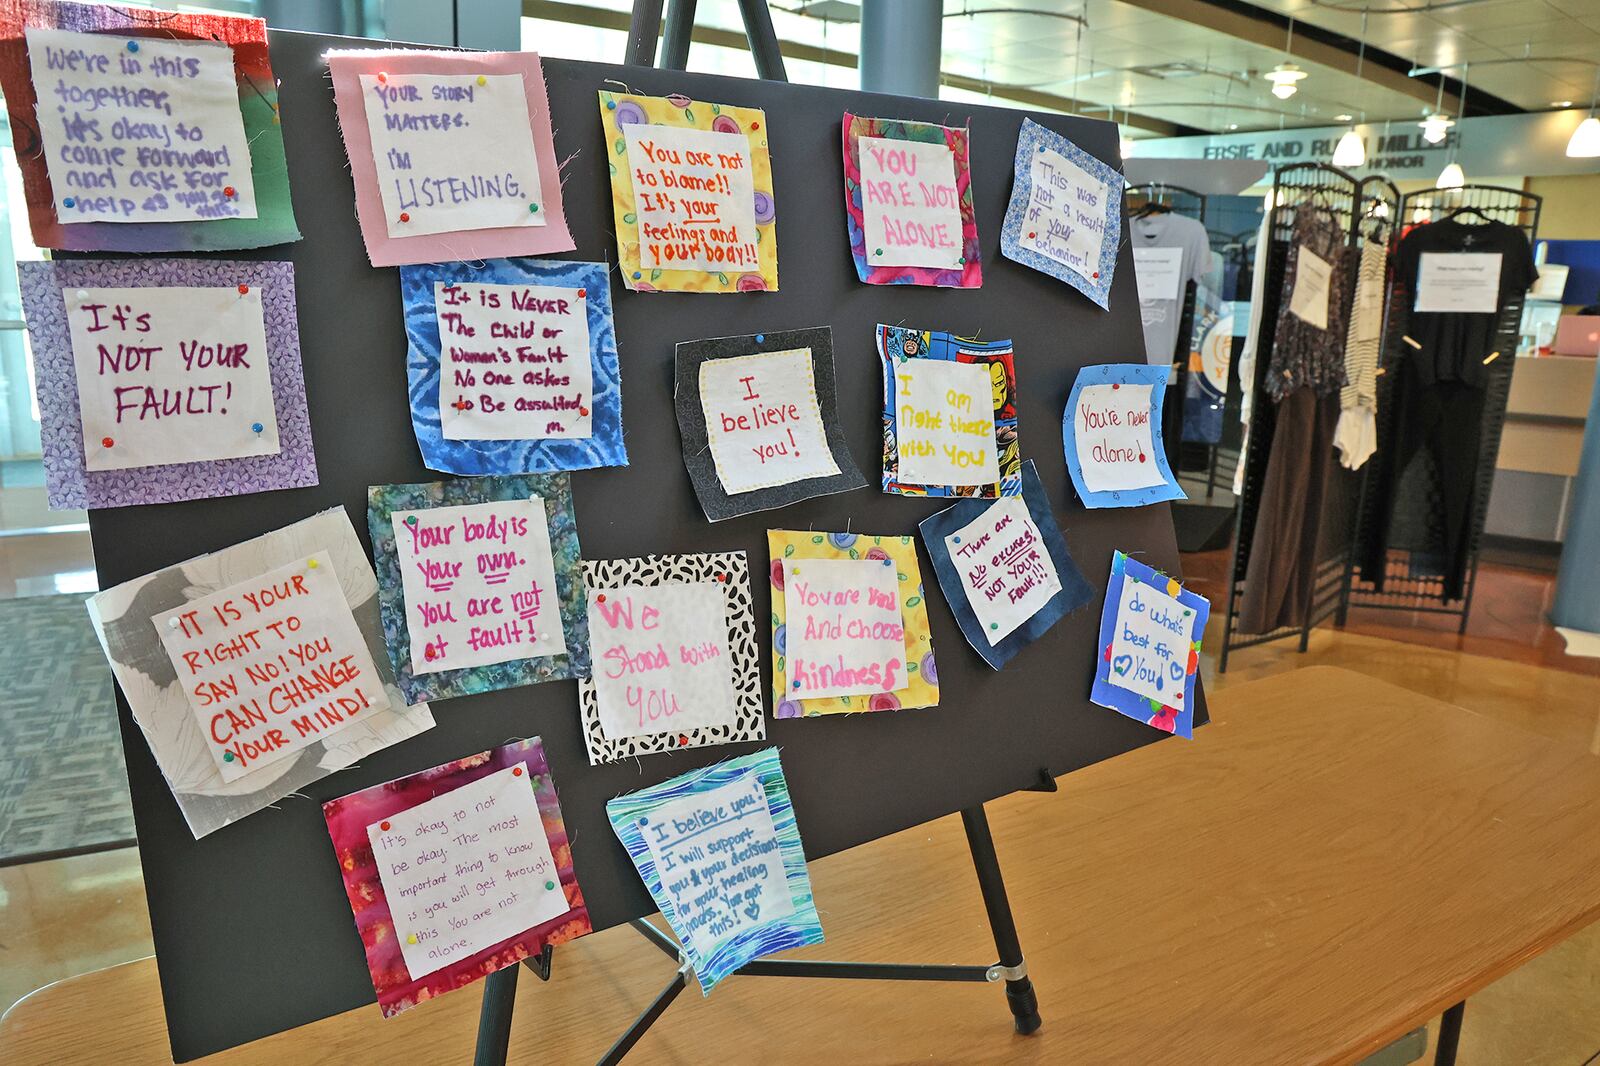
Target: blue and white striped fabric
799	927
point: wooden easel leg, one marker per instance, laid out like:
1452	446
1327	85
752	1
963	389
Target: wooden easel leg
1019	989
494	1020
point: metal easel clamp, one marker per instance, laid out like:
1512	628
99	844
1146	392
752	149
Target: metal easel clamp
998	972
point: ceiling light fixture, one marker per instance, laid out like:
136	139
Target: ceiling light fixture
1452	176
1435	127
1284	76
1560	103
1343	118
1585	142
1351	151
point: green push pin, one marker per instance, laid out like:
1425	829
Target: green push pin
877	251
227	756
533	208
994	625
411	519
549	886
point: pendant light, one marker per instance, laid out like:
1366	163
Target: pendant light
1351	150
1585	142
1436	124
1285	75
1452	176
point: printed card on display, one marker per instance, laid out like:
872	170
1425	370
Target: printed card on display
1004	568
1459	282
675	657
759	420
456	872
908	203
949	415
944	423
166	379
1309	300
719	850
1150	632
1110	431
691	186
451	154
515	362
141	129
513	367
480	583
1159	272
845	636
148	130
833	629
271	664
171	375
273	676
1065	214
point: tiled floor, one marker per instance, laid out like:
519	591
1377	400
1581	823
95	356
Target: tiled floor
68	916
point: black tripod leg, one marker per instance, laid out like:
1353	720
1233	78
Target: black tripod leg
1019	989
494	1020
1444	1054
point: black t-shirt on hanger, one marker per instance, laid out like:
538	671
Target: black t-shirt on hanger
1455	343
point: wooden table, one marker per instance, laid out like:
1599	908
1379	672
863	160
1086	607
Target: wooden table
1332	863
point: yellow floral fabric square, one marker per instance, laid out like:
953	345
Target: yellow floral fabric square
686	182
922	688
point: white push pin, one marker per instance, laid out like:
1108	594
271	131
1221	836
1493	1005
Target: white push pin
172	623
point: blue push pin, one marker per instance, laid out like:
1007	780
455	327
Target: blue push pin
956	539
888	562
67	201
761	338
611	105
256	427
133	46
637	275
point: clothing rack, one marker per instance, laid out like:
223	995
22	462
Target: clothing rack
1351	201
1180	200
1415	532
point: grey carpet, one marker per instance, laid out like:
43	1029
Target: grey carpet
63	787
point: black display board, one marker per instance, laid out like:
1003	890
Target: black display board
253	933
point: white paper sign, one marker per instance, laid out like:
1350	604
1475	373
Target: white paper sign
719	860
695	198
452	154
844	632
1006	570
514	362
1309	301
1459	282
1114	439
944	423
467	870
140	129
479	583
1150	650
171	375
661	661
272	664
1066	213
1159	272
763	420
910	206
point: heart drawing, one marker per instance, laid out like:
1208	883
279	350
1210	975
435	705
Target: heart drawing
1122	664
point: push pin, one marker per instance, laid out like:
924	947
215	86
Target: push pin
794	570
405	216
611	105
227	756
516	771
311	564
683	740
877	251
482	80
1031	236
761	338
583	412
600	597
962	261
256	427
244	290
411	519
411	938
133	46
636	274
1097	273
229	191
533	209
582	293
956	539
994	625
172	623
383	826
383	76
796	684
549	886
83	294
67	201
427	653
722	578
755	125
888	562
107	442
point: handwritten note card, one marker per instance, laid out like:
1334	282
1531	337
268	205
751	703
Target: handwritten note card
171	375
1066	215
1458	282
944	423
1309	300
763	420
452	151
1150	631
272	664
845	635
467	870
720	862
1007	571
515	362
1065	212
1110	431
480	584
661	658
910	203
140	129
695	198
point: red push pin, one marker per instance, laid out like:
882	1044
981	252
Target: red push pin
243	289
582	293
683	740
1031	236
516	771
384	826
383	76
460	405
755	125
584	411
427	653
1097	273
1115	386
228	190
106	442
405	216
722	578
601	598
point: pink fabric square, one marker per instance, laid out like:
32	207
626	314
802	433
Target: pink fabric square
384	250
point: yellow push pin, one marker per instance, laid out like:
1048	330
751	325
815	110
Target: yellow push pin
411	938
482	80
311	564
